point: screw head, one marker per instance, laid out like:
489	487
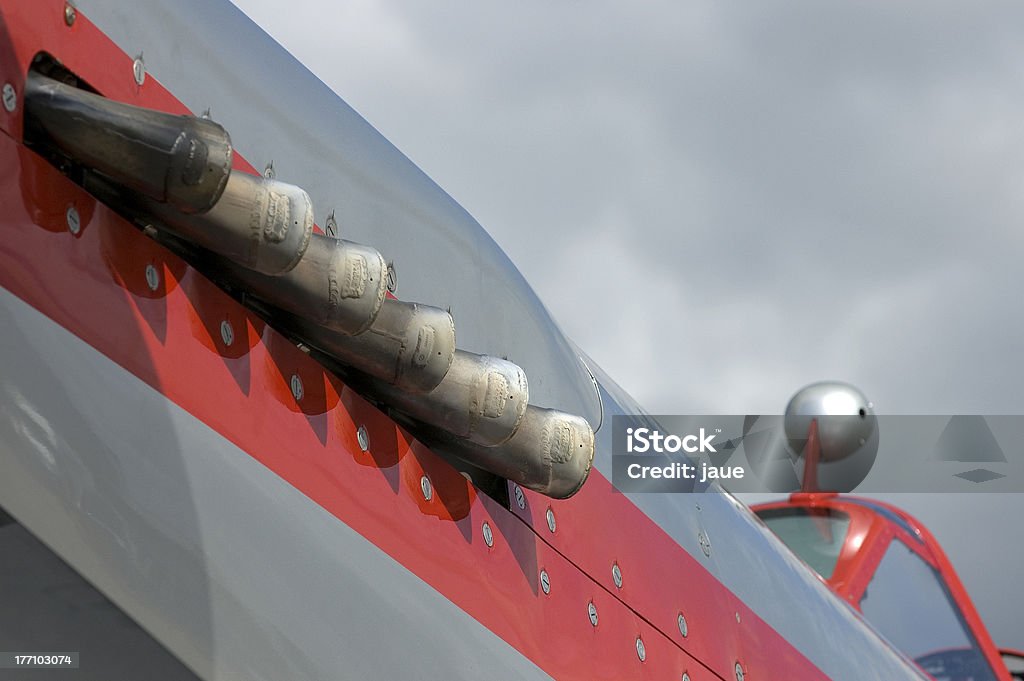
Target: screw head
737	618
488	534
705	543
517	491
73	219
269	172
331	225
683	629
152	277
617	575
545	582
550	515
686	677
739	672
363	438
70	15
297	389
392	278
227	332
139	71
641	651
425	486
10	98
592	612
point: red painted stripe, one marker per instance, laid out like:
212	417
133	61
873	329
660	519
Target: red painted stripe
94	285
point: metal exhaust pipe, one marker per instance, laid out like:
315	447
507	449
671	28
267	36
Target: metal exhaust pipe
260	224
551	452
481	399
182	161
408	345
337	284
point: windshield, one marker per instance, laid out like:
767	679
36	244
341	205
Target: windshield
814	534
908	603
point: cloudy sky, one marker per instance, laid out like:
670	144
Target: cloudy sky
721	202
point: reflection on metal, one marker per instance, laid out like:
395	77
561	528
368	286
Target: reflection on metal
296	385
739	672
426	488
549	515
617	575
70	14
681	622
641	650
592	612
363	438
545	581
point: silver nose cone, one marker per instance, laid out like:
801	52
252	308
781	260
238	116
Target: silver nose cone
846	420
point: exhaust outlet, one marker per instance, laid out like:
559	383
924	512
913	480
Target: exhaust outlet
337	284
181	161
408	345
481	399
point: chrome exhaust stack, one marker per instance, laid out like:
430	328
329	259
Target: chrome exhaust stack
481	399
408	346
180	168
182	161
263	225
551	452
337	284
173	176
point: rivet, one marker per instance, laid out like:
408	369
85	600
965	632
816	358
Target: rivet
488	535
550	515
227	332
331	225
10	98
363	438
641	651
739	672
152	277
517	491
681	621
268	171
70	15
545	582
297	390
592	611
705	543
737	618
73	220
617	575
139	71
428	490
392	278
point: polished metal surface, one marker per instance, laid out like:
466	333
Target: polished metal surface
845	417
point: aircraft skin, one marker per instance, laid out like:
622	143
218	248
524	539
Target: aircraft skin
261	536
